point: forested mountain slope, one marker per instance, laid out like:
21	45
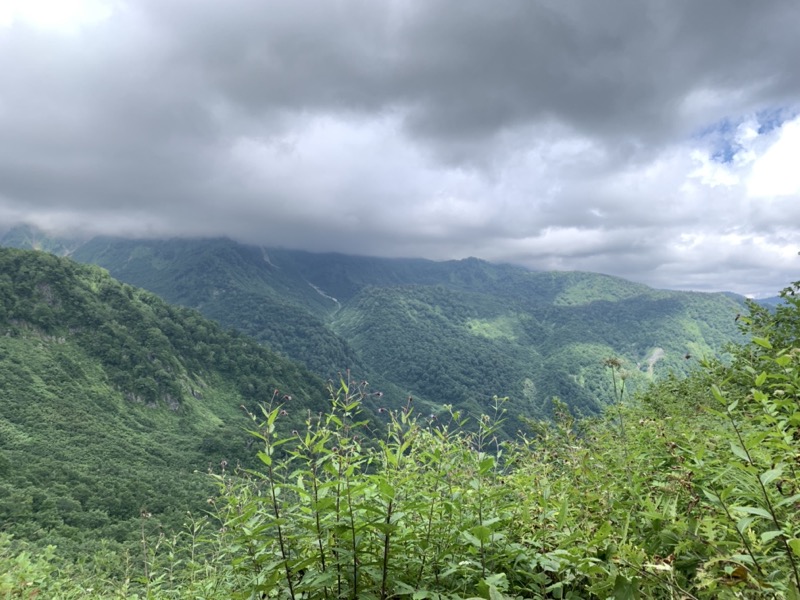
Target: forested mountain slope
464	346
687	490
454	332
114	403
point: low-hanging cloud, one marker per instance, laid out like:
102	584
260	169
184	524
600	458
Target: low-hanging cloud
649	139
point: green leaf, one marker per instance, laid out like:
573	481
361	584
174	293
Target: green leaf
486	465
387	490
717	393
494	594
625	589
769	476
744	523
762	377
740	452
763	342
498	582
755	510
789	500
794	544
265	458
471	539
768	536
481	532
563	512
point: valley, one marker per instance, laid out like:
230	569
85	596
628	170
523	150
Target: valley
454	332
569	422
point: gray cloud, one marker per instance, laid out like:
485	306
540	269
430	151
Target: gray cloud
556	134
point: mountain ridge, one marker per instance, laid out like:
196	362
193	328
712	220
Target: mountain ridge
465	329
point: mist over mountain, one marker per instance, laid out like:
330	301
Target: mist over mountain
449	332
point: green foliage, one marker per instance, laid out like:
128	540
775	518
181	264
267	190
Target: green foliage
459	346
688	490
113	402
453	332
236	285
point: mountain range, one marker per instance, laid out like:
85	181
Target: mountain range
128	367
448	333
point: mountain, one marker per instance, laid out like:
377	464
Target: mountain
26	237
114	403
531	336
771	302
237	285
587	509
452	332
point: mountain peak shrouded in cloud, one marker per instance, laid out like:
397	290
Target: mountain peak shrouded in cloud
652	140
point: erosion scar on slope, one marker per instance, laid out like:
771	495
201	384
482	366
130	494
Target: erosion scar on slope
656	355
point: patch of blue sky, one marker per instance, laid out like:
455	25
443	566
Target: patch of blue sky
772	118
722	136
724	151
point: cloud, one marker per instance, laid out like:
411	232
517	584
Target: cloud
65	16
646	139
775	172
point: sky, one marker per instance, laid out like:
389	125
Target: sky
656	140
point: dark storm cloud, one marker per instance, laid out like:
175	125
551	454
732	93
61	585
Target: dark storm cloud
552	133
462	75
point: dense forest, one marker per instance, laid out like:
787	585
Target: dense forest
112	401
452	332
686	489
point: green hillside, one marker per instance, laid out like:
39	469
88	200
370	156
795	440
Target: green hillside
687	490
461	346
236	285
453	332
114	403
114	408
